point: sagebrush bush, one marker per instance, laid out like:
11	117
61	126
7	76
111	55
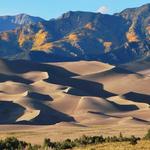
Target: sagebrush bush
147	136
133	140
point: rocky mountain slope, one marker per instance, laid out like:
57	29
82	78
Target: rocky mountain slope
114	39
12	22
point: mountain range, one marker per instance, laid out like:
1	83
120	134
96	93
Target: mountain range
115	39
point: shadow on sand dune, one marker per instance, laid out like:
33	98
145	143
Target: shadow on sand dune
137	97
39	96
126	107
14	78
89	88
47	116
10	112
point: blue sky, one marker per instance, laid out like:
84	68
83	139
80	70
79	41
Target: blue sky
53	8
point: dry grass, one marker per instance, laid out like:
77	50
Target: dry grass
36	134
142	145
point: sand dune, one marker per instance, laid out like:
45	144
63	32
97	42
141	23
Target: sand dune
10	87
78	67
87	104
123	101
35	76
118	80
10	112
82	93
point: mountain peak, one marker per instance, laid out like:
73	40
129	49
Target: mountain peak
24	19
12	22
136	10
77	13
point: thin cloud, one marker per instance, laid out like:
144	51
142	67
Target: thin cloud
103	10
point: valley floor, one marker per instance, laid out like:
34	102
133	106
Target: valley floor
60	132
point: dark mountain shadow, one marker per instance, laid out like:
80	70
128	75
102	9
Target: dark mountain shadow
39	96
14	78
137	97
10	112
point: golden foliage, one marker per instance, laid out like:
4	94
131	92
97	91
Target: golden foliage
107	44
46	46
40	38
39	41
73	37
131	34
22	38
88	26
132	37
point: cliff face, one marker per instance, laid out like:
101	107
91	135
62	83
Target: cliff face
116	39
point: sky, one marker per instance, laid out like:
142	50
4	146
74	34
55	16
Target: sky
54	8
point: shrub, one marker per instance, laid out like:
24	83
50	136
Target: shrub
133	140
48	144
147	136
67	144
12	143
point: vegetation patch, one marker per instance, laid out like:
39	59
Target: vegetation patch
12	143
